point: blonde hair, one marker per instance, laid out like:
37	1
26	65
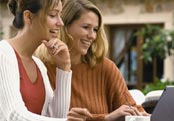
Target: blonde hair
42	52
72	10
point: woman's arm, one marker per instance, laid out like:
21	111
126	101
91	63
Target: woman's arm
12	105
59	53
62	93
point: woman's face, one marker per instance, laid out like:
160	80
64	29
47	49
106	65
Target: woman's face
84	32
54	21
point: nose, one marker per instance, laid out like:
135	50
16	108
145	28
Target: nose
59	21
92	34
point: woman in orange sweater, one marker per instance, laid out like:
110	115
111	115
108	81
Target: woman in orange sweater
97	84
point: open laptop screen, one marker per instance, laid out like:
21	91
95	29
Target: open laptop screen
164	110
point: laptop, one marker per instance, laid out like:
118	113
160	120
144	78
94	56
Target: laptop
164	110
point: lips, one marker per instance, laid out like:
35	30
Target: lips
54	33
86	42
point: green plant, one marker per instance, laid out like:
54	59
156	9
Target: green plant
154	43
157	85
170	42
158	43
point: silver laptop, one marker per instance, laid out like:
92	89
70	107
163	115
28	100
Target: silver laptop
164	110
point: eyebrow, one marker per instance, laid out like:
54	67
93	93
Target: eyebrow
56	10
90	25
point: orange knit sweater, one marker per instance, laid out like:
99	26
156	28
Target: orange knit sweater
101	89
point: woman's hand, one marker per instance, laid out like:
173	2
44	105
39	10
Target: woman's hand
59	51
121	112
145	114
79	114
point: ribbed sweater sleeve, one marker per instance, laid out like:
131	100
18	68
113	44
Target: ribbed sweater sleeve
60	102
101	89
118	90
63	90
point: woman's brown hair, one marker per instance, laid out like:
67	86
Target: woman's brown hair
17	7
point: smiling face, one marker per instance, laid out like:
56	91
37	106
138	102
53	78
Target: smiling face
45	24
53	22
83	32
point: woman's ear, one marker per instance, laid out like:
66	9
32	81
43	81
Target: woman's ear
27	15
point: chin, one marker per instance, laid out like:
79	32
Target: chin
83	53
48	38
53	35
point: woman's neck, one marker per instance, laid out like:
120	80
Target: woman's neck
23	45
75	58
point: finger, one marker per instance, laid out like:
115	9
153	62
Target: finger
76	114
55	50
124	113
71	118
54	45
60	48
130	110
88	114
44	42
50	44
82	111
136	111
144	113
